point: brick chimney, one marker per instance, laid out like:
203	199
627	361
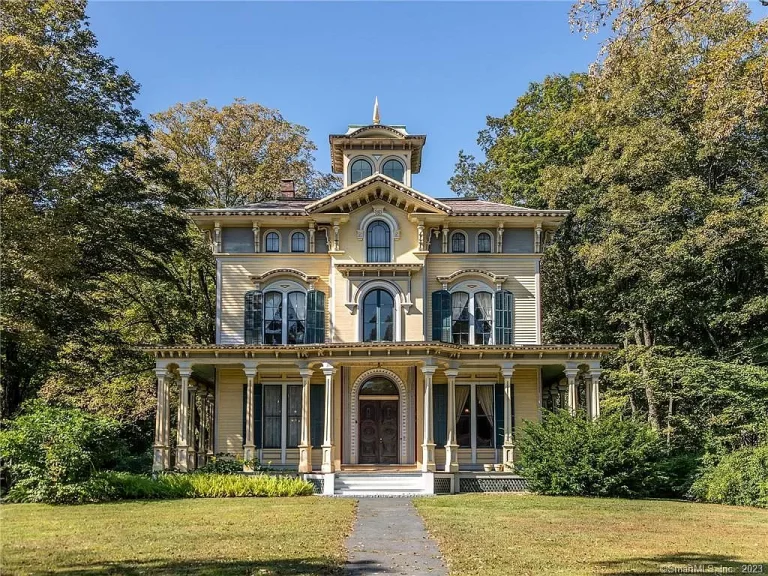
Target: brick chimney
287	188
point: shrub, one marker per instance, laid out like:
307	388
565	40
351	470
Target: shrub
572	455
109	486
739	478
47	445
228	464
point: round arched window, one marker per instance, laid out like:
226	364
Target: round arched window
394	169
378	316
360	169
379	242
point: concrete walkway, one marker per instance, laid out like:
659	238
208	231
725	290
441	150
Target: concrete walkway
389	538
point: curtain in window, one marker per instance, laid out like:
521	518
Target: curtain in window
462	393
273	318
485	399
298	242
458	243
463	426
272	242
294	416
379	242
460	317
273	397
485	430
483	317
297	317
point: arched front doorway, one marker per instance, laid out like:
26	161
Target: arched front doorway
379	431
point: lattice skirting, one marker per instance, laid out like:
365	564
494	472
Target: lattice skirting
442	485
317	485
490	485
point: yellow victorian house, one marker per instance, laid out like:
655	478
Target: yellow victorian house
376	340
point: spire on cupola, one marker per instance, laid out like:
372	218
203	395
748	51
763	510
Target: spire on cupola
376	117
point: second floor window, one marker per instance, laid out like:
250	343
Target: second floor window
379	242
458	243
484	243
281	327
298	242
279	317
378	316
471	317
272	242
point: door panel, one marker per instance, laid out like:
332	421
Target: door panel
379	433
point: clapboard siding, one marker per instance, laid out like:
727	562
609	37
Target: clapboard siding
526	396
236	281
229	423
521	281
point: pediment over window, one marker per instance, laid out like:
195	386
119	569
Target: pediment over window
287	272
382	188
468	273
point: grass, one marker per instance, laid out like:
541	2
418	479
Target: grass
496	535
240	536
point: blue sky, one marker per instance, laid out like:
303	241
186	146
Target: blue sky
439	68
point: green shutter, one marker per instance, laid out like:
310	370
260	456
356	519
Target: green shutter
441	316
315	317
440	413
257	407
504	317
253	317
499	411
316	414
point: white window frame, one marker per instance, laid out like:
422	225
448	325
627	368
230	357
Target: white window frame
279	241
283	418
290	241
396	294
473	416
477	241
471	287
284	287
466	242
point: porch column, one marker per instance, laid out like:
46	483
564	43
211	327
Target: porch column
166	423
571	371
428	448
594	387
192	444
203	442
305	447
328	448
182	430
508	450
211	426
159	447
451	448
249	447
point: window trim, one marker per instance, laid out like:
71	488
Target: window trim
477	242
396	294
473	416
472	287
349	168
290	244
285	288
283	416
466	241
393	159
279	241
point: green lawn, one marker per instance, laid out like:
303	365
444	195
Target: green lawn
500	535
242	536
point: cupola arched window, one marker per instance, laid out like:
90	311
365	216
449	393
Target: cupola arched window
378	316
394	169
360	169
379	242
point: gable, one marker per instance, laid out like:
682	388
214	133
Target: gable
378	188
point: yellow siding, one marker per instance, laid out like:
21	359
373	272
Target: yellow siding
229	422
236	281
521	282
271	456
486	456
526	396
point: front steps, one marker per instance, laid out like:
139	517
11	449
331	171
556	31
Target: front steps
379	484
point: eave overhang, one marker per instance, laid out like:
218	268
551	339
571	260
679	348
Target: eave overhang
376	137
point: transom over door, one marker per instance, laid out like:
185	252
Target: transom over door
379	436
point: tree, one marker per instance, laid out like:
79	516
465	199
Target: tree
237	155
77	205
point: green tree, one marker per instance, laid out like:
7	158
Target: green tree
237	154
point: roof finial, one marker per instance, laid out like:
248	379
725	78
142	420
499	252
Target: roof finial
376	117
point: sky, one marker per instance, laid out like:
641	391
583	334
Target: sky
440	68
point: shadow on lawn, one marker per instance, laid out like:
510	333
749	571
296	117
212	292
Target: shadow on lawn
681	563
296	567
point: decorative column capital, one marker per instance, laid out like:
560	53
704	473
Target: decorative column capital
507	369
161	373
185	371
451	373
250	368
428	369
306	372
328	369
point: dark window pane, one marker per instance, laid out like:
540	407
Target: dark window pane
464	419
379	386
298	242
272	242
484	242
483	317
297	317
294	416
273	318
460	317
484	418
273	396
378	242
360	169
378	316
458	243
394	169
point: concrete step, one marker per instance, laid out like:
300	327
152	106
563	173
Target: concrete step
375	484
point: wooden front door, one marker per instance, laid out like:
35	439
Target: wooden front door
378	432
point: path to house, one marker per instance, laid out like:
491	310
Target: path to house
389	538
